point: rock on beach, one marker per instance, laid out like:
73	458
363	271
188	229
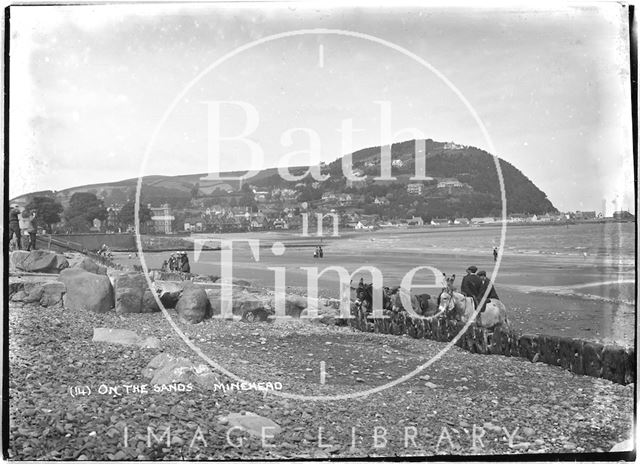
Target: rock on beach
87	291
193	305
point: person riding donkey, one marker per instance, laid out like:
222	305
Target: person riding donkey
471	285
487	284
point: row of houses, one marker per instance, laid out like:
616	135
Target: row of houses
414	188
274	217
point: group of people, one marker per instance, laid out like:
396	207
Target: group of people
22	221
178	262
319	252
105	251
475	285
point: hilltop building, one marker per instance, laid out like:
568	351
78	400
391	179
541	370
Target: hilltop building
453	146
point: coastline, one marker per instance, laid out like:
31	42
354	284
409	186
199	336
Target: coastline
591	297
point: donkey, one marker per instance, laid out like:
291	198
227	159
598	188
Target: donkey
460	307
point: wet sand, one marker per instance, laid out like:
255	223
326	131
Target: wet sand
591	298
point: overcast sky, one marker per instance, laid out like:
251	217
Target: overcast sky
90	84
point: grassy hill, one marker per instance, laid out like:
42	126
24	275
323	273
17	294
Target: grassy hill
475	169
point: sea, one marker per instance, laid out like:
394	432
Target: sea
612	242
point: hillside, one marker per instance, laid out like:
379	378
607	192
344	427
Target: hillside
475	169
470	187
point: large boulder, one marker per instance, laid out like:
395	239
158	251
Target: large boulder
46	293
193	305
86	291
169	292
246	302
246	305
42	261
91	266
19	296
129	289
16	258
52	293
294	305
149	303
133	294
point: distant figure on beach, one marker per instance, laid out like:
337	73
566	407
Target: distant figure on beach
495	253
471	285
173	262
184	263
315	253
14	224
320	252
585	255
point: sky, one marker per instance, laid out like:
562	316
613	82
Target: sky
90	85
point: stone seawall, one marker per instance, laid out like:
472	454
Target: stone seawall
94	241
581	357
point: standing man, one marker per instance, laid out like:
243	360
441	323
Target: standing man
184	263
471	285
28	219
14	224
495	253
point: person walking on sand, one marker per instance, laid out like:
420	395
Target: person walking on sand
14	224
495	253
471	285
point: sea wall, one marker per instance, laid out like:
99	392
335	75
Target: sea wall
581	357
93	242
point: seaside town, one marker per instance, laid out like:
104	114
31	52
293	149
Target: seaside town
255	209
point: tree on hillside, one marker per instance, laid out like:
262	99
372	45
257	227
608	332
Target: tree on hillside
47	211
127	214
247	198
83	208
195	190
115	196
77	224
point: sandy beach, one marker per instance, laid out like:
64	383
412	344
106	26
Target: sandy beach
561	293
